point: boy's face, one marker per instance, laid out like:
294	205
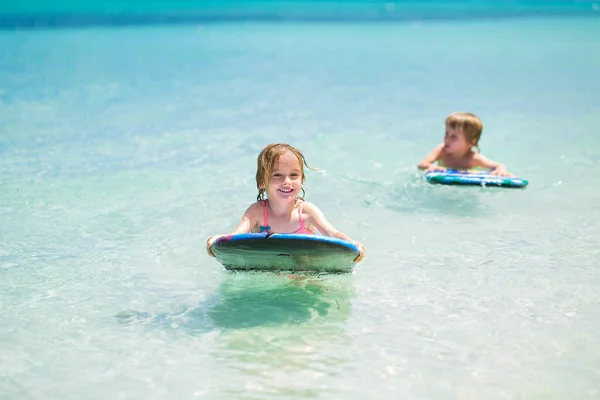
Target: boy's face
455	142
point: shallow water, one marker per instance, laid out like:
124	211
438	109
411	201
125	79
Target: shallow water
124	148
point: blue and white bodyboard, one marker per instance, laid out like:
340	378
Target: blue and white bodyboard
455	177
285	252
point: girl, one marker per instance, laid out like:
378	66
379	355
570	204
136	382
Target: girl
463	131
280	207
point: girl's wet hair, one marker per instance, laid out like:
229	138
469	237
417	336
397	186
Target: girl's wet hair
266	161
470	123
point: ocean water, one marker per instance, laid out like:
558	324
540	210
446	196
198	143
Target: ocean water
124	147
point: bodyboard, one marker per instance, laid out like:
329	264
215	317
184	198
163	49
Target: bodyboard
484	178
285	252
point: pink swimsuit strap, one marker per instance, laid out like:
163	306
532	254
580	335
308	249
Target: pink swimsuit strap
302	228
267	229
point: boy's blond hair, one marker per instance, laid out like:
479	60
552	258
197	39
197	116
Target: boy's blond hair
266	162
470	123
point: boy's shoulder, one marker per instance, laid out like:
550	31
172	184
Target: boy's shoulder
477	156
439	149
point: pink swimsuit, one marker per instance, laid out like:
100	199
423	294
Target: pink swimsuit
267	229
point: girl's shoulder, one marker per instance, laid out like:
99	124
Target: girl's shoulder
254	208
308	207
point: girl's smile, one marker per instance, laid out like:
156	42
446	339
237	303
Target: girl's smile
286	178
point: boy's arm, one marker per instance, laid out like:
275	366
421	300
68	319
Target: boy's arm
428	162
497	168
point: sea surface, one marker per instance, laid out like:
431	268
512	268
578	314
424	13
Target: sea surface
127	140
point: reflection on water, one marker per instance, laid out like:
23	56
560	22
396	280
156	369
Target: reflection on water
269	334
248	300
246	303
255	299
295	332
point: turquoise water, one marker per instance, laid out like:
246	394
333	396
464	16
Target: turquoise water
61	13
124	148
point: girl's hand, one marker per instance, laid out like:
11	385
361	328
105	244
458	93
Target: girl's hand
210	242
361	252
434	167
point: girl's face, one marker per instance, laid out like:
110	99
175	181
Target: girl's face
455	142
286	178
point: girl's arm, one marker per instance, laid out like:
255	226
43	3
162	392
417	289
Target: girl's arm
497	168
247	222
428	162
318	220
